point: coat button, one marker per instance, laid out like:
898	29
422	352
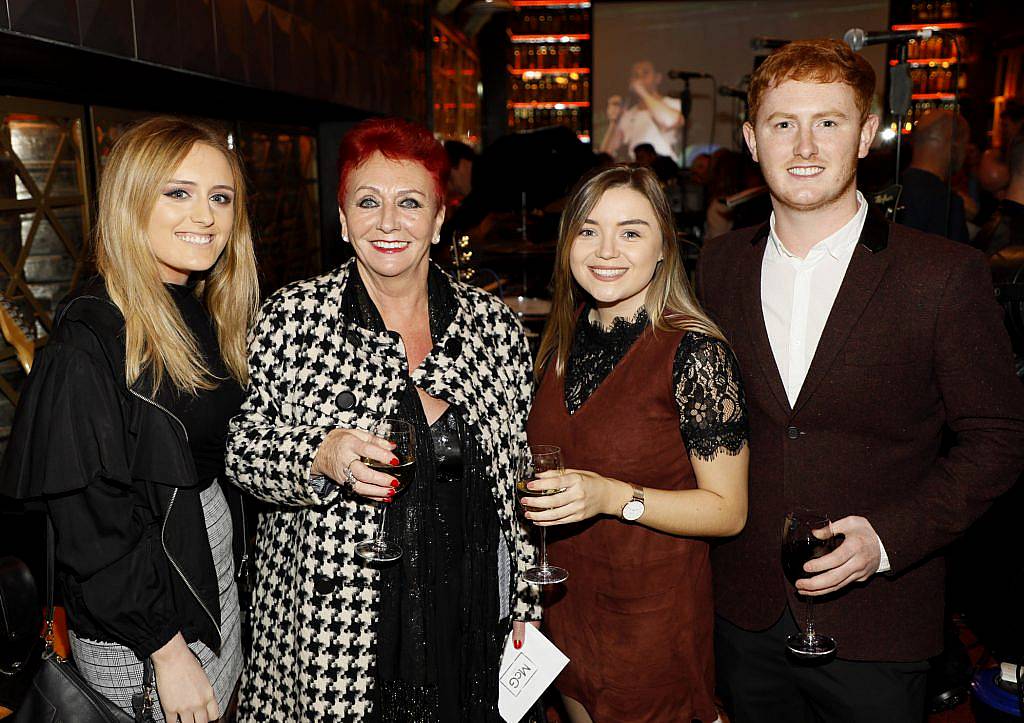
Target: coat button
345	400
324	585
453	347
792	432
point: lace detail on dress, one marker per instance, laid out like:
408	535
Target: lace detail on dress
595	352
709	394
705	375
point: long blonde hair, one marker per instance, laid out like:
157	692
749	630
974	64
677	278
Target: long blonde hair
156	337
669	302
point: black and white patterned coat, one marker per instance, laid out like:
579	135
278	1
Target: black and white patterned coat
316	600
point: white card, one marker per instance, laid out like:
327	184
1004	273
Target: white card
526	673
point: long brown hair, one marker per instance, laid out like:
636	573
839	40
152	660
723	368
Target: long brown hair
156	337
669	301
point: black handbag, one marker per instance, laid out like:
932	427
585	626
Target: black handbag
20	622
59	693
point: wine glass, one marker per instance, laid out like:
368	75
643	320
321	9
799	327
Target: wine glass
806	535
542	457
403	436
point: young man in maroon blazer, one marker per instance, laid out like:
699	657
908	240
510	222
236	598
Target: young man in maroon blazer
863	345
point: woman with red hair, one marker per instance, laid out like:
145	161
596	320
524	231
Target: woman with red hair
387	335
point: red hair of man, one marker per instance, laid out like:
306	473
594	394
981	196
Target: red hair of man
396	140
814	61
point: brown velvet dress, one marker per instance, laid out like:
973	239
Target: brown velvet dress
635	616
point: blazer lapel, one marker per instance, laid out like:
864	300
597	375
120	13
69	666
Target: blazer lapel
862	277
753	312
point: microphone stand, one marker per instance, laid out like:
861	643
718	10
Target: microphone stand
900	89
685	104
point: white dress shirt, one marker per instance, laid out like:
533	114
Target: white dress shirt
797	296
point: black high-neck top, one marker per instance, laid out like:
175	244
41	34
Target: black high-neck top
205	415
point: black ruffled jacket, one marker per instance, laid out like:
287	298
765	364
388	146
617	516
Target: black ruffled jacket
114	470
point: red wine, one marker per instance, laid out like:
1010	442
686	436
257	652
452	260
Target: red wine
404	472
796	552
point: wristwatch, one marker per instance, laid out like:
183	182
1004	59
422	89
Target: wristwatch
632	510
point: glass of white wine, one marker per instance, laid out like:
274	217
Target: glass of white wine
542	458
403	435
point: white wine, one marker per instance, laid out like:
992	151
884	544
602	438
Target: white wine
523	489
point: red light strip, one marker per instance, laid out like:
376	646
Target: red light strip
550	71
932	96
926	61
548	4
551	105
940	26
551	38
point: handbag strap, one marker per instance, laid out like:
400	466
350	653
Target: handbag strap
51	564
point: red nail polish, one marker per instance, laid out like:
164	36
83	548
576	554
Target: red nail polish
396	484
394	462
517	644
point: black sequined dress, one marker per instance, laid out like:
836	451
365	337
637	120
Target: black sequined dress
438	637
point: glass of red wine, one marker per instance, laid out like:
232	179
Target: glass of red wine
403	435
806	535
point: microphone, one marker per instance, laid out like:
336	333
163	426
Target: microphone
729	92
763	43
857	38
686	75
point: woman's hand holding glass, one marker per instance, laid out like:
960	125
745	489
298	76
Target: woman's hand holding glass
341	456
582	495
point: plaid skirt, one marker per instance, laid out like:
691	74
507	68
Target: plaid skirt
117	673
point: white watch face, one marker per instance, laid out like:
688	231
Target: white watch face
632	510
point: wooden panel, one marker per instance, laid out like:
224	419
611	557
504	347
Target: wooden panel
230	27
53	19
326	66
199	42
157	32
304	67
258	45
281	44
107	25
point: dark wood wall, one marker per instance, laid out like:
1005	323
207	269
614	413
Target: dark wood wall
368	55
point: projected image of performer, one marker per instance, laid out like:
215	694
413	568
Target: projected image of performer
644	115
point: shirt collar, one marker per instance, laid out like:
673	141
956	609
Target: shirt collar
838	245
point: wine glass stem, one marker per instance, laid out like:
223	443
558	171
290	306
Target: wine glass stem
809	627
543	548
383	517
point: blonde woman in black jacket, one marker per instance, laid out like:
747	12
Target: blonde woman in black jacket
120	429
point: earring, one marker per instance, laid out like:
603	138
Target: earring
437	239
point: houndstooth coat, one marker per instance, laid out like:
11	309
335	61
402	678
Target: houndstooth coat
316	600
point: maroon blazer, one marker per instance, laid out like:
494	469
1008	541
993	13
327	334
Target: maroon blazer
914	348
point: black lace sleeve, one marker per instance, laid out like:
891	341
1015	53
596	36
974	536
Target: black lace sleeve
709	393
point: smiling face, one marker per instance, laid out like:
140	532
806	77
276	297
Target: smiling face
390	215
615	253
192	219
807	139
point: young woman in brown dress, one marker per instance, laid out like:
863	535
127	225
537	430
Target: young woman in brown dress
643	395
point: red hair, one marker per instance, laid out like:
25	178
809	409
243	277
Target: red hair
397	140
814	61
